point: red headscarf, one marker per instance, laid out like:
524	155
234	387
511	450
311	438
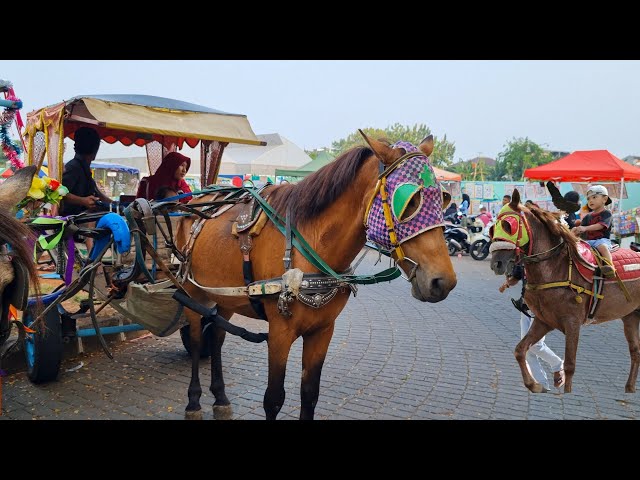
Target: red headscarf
164	177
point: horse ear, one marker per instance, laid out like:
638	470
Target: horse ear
515	200
384	152
426	146
16	187
446	199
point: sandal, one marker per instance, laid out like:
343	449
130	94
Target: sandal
558	378
608	271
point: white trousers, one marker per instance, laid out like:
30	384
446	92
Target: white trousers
538	351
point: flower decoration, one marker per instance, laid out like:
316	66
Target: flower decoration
43	191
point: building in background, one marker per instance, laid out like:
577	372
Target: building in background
237	159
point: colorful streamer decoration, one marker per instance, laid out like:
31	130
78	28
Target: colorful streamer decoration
11	148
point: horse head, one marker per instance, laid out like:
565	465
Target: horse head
13	247
404	215
509	236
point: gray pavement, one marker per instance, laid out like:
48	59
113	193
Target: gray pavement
391	357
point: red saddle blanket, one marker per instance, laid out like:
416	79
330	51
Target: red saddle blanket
627	263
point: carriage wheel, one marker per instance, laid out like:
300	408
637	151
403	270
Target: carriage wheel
186	341
43	349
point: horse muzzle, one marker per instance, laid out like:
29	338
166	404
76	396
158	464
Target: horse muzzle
501	265
431	289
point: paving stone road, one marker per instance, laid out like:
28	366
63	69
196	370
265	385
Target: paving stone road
391	357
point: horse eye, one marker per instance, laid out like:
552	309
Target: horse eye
412	207
406	201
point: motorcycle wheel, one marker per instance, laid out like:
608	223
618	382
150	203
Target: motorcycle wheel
478	250
452	249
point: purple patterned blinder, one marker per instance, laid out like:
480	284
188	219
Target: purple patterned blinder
414	176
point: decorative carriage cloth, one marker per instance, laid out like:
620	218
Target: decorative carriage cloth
414	176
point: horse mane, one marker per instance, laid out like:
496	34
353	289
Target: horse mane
15	234
552	222
312	195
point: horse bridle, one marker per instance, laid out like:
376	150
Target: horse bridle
388	218
529	257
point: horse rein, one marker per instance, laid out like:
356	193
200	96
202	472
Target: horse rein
535	257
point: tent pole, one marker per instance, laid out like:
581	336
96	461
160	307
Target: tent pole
621	194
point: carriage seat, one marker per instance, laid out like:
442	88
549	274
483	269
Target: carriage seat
625	261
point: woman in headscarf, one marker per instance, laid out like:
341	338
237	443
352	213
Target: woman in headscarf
170	173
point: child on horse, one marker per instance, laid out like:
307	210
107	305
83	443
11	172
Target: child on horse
596	226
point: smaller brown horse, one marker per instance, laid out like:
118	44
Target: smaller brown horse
551	258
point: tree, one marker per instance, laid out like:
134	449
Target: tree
443	149
463	168
518	155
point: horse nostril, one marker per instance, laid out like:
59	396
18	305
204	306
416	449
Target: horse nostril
437	285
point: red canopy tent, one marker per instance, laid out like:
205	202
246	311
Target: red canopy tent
585	166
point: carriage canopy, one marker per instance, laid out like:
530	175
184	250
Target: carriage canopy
160	124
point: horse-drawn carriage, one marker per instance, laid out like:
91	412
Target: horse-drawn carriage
298	240
160	125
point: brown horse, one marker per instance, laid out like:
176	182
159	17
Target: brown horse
14	251
327	208
551	248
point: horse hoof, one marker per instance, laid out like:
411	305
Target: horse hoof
222	412
537	388
629	389
193	415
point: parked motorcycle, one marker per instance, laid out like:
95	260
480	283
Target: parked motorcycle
459	239
479	249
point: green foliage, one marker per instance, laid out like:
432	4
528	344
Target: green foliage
518	155
463	168
443	149
312	153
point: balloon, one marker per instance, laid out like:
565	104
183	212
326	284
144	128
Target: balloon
236	181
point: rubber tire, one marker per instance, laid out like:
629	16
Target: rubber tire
478	246
452	249
185	336
43	353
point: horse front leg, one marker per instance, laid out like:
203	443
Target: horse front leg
535	333
193	410
572	336
222	406
280	341
631	323
314	351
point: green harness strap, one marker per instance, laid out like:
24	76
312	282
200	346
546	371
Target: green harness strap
305	249
42	239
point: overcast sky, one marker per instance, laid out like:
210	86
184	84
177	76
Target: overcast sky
479	105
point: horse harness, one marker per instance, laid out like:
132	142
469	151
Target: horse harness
311	289
314	290
598	282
